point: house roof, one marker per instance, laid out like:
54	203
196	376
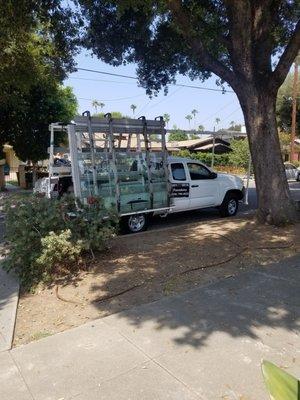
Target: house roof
199	144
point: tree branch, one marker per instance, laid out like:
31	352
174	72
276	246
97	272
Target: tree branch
206	60
286	60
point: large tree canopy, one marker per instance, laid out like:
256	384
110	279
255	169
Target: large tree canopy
27	127
250	44
38	40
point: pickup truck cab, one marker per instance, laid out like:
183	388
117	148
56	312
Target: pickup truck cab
194	186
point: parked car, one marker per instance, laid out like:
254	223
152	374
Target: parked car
292	172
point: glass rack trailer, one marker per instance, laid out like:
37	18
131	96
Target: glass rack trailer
120	160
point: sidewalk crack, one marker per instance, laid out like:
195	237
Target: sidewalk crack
22	377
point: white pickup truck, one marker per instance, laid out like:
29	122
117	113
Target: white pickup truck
118	161
195	186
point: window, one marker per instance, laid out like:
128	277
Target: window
198	171
178	172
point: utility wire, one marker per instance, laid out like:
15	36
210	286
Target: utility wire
120	98
135	78
164	99
216	112
229	115
100	80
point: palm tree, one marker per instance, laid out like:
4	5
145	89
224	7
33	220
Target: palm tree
194	112
96	104
201	128
189	118
133	107
217	121
166	118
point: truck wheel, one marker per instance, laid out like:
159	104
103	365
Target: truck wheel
230	206
136	223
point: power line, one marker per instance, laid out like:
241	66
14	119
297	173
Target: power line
216	112
135	78
229	115
118	99
145	106
107	73
164	99
100	80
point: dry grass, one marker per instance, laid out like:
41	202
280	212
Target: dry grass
151	265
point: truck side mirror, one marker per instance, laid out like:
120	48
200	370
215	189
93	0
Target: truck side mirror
213	175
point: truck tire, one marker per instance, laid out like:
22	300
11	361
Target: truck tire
230	205
135	223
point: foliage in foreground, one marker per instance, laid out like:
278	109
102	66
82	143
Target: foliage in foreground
48	238
280	384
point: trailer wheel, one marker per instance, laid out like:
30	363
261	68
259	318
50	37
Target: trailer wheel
136	223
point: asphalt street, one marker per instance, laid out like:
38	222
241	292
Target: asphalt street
212	213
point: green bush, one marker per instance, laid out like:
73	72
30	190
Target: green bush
205	158
58	254
239	157
35	226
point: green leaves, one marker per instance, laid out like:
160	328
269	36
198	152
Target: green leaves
280	384
38	40
25	124
44	242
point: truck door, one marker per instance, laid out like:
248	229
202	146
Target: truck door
204	188
180	188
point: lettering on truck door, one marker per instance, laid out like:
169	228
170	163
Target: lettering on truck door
204	189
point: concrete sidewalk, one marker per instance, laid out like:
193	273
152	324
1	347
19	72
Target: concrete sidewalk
9	295
207	343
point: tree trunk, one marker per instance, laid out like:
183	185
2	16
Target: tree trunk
275	205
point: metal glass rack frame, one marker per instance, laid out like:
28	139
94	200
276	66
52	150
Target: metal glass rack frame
115	159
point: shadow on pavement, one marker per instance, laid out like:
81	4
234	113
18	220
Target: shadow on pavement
239	305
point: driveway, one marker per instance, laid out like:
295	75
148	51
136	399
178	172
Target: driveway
206	343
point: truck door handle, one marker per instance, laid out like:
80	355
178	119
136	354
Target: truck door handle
195	185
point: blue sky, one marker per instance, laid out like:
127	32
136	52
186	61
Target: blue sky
119	93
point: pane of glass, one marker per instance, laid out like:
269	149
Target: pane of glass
178	172
198	172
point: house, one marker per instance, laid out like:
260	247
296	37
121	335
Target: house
12	163
286	150
204	144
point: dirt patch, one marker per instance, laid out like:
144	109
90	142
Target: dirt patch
145	267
